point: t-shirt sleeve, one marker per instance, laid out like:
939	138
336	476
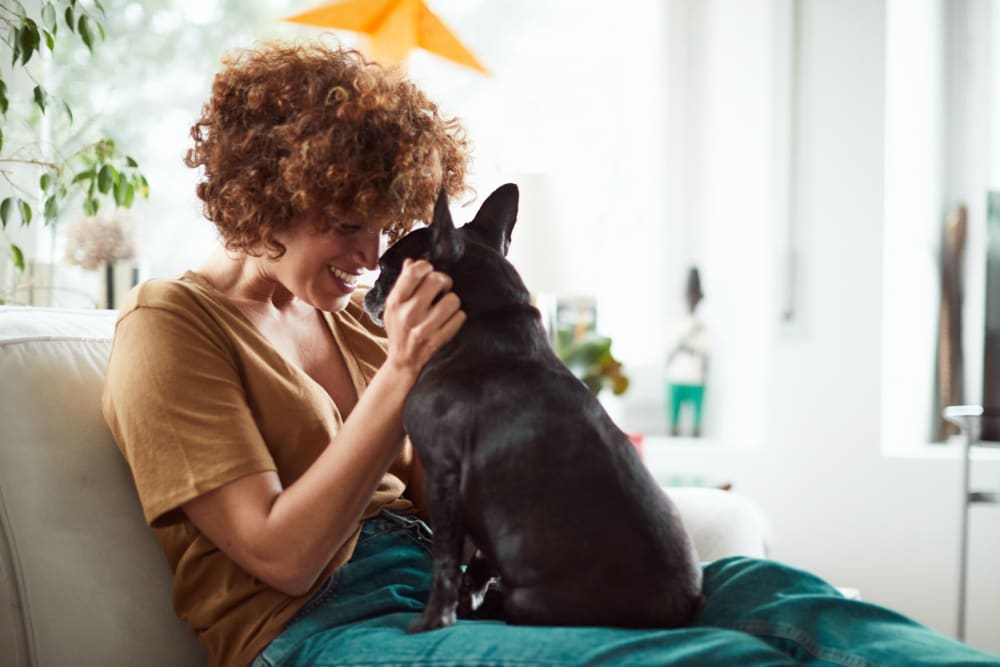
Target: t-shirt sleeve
176	406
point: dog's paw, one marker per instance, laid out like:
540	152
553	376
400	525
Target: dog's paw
426	622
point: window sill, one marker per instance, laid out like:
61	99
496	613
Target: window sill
681	461
946	451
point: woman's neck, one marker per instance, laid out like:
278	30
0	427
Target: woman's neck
245	280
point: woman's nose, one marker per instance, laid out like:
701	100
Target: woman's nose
370	247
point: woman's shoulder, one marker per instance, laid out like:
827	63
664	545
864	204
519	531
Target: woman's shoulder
183	292
182	309
185	302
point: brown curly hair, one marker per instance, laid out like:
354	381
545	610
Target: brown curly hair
318	131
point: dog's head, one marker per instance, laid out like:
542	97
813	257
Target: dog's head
473	255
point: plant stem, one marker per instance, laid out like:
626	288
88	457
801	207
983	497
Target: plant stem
39	163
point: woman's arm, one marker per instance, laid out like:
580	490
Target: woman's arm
287	536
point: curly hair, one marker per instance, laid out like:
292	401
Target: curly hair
316	131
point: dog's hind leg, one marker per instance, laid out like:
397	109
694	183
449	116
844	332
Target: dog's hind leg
481	593
444	506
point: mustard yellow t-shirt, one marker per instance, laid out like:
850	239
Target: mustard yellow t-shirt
196	397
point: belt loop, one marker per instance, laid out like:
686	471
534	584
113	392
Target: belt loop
415	523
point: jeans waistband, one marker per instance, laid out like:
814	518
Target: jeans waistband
389	519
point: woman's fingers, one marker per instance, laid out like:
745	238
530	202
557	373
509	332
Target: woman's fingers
415	291
443	321
452	324
410	277
421	313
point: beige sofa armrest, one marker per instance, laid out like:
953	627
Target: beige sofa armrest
82	580
722	523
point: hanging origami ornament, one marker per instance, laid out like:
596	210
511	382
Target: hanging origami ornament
394	27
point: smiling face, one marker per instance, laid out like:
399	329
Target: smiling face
323	268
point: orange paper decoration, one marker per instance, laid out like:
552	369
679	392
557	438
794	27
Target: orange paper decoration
395	27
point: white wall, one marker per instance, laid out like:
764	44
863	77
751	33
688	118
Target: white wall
719	80
842	508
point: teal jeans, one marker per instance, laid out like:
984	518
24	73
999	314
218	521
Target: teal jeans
758	613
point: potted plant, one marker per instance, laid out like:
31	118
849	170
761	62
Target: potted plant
44	166
588	355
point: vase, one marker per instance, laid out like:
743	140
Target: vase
120	276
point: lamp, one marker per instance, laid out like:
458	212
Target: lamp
394	27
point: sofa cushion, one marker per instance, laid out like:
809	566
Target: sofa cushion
82	580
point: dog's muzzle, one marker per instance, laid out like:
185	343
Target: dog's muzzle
374	308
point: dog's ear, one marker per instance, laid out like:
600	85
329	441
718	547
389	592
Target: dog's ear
446	245
496	217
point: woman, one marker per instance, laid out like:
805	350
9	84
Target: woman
260	411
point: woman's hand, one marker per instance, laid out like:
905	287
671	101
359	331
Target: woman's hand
417	322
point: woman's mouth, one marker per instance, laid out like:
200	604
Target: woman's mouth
349	279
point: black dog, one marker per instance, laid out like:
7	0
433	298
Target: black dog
522	458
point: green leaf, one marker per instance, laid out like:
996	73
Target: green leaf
1	139
50	40
85	31
69	112
15	44
18	257
106	178
5	206
130	161
49	17
83	176
119	189
25	208
51	209
30	40
3	97
124	191
100	7
19	10
44	181
41	97
90	206
70	18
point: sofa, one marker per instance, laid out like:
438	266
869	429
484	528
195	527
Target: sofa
82	580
